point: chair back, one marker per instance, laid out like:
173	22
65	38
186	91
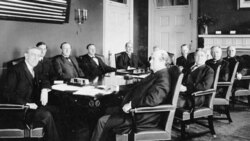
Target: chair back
175	92
116	59
216	78
229	90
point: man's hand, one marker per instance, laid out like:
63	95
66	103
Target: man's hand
127	107
238	76
44	97
183	88
32	105
181	68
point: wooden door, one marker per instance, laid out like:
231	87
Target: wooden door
170	25
118	27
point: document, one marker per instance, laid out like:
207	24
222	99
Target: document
65	87
92	91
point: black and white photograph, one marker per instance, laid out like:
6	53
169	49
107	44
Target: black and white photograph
124	70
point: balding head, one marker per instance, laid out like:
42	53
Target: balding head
200	57
159	60
216	52
231	51
129	47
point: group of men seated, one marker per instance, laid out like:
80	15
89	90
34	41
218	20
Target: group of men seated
30	80
29	83
200	72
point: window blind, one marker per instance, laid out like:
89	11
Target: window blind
50	11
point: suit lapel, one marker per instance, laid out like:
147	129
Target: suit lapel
66	61
199	70
73	61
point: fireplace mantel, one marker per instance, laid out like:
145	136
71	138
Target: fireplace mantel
240	42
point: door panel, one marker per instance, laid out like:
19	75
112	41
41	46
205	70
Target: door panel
117	28
170	27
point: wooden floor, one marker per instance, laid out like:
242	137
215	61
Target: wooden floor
238	130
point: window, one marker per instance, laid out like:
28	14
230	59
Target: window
48	11
163	3
120	1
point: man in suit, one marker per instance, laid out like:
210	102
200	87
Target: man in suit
185	60
151	91
216	60
22	87
46	73
66	66
128	59
200	77
93	66
233	59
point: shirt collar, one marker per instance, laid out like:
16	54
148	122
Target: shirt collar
92	56
65	56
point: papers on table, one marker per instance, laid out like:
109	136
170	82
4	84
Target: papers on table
140	76
92	91
85	90
65	87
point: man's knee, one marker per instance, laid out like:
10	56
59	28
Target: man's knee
102	121
43	114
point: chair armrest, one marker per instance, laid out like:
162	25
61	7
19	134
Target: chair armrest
200	93
246	77
13	107
224	83
160	108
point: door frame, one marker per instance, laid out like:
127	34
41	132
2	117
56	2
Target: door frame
194	28
130	4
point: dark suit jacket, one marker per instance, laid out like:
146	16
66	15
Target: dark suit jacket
200	79
151	91
224	71
91	69
232	61
123	61
21	87
65	69
46	72
185	63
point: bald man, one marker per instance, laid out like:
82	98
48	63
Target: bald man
151	91
128	59
216	60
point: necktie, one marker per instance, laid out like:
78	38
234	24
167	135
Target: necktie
214	61
68	59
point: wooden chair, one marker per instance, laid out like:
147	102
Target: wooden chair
225	101
116	59
13	126
159	133
239	92
192	116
